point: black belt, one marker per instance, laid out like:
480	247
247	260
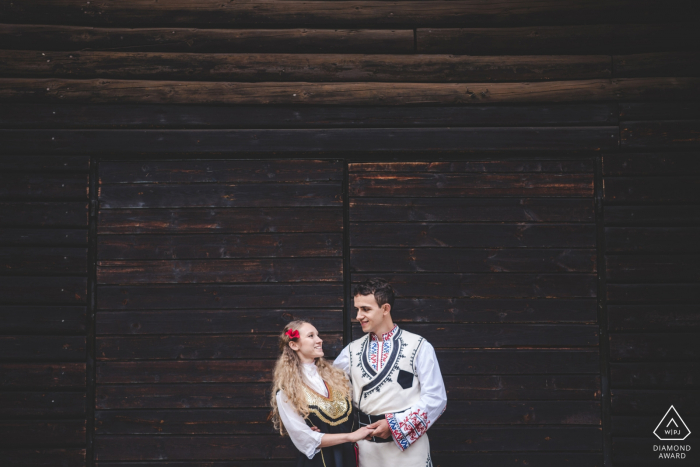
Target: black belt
366	419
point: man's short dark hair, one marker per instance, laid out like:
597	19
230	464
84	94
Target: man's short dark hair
383	293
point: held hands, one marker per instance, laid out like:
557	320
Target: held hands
381	429
364	432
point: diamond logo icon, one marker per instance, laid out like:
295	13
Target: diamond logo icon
671	427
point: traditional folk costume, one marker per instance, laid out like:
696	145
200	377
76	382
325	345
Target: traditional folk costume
395	376
331	412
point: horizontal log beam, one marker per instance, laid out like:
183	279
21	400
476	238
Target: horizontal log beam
59	37
657	64
430	13
52	115
368	139
571	39
302	67
103	91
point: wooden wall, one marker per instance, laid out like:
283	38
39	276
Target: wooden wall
493	262
199	267
210	135
43	310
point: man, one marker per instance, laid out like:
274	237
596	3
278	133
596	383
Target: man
397	384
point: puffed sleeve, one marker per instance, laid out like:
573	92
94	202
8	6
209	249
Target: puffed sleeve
342	361
304	438
410	424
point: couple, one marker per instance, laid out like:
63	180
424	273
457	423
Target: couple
380	416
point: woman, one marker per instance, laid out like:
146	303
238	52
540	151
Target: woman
312	401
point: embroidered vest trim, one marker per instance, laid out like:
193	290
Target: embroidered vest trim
334	409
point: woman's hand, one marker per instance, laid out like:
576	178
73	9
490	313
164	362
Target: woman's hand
362	433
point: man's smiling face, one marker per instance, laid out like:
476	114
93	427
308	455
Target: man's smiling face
370	315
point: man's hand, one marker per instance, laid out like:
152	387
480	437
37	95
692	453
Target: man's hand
381	429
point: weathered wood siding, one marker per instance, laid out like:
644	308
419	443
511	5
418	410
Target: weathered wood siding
199	266
494	262
227	137
43	310
652	226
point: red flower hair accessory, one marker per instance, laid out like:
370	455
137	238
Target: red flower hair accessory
292	334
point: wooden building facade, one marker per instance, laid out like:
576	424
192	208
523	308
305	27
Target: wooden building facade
180	179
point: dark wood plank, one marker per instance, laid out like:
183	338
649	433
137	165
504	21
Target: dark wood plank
522	387
515	438
220	171
659	111
638	426
471	209
42	319
36	433
471	260
668	163
215	321
43	260
39	237
522	413
652	268
676	347
634	402
498	310
57	115
346	14
218	246
42	375
65	186
43	457
518	361
484	166
656	64
657	190
653	317
532	459
42	405
219	195
422	184
45	163
46	348
136	448
491	285
239	463
349	139
182	396
219	220
183	422
655	375
38	290
652	239
231	371
676	134
43	214
173	66
502	335
662	216
557	39
211	347
203	297
111	91
653	293
219	270
464	235
59	37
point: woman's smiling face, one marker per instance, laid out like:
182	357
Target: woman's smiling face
309	346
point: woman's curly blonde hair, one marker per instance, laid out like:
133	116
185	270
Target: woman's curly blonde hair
288	376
